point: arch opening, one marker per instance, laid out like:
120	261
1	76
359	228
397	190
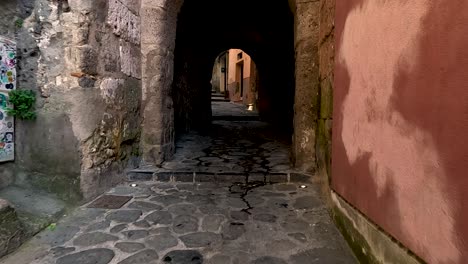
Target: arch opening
205	30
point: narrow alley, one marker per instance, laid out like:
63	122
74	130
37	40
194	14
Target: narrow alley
227	197
233	132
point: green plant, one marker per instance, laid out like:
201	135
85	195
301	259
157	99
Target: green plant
19	23
23	104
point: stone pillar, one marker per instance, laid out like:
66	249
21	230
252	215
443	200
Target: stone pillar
327	65
306	106
158	27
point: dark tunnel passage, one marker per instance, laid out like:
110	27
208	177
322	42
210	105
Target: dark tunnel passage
263	29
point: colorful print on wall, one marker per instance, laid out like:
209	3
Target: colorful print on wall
7	83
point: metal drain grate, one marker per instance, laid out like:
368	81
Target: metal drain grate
110	202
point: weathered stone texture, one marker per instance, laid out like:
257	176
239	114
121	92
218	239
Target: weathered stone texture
11	230
306	105
124	23
158	42
327	64
8	16
130	59
89	90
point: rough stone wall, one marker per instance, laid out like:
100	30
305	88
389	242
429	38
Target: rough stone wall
8	17
83	61
159	21
326	66
306	106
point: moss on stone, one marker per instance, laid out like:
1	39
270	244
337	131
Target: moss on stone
326	99
355	240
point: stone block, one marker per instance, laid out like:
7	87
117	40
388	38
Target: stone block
158	27
163	176
205	177
109	89
123	22
277	178
130	59
84	59
183	176
140	176
299	178
133	5
81	5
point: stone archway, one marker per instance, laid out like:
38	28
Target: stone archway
293	39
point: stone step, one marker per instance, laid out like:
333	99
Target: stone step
220	100
12	232
160	175
235	118
36	209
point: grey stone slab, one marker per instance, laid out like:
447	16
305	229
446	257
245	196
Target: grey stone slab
60	251
181	209
98	226
118	228
59	236
307	202
200	239
145	206
167	199
162	242
159	217
183	257
212	223
292	223
183	177
286	187
268	218
239	215
124	216
91	239
33	202
144	257
185	224
233	231
300	178
92	256
160	231
140	176
299	237
280	245
142	224
268	260
220	259
129	247
135	234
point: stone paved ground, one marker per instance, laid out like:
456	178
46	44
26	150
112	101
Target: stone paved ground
224	109
231	146
195	223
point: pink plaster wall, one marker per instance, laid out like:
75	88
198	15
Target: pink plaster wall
400	138
248	81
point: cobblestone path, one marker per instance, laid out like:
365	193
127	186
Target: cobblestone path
195	223
231	146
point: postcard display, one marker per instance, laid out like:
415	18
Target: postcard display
7	84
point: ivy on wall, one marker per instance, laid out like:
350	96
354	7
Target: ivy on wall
23	102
